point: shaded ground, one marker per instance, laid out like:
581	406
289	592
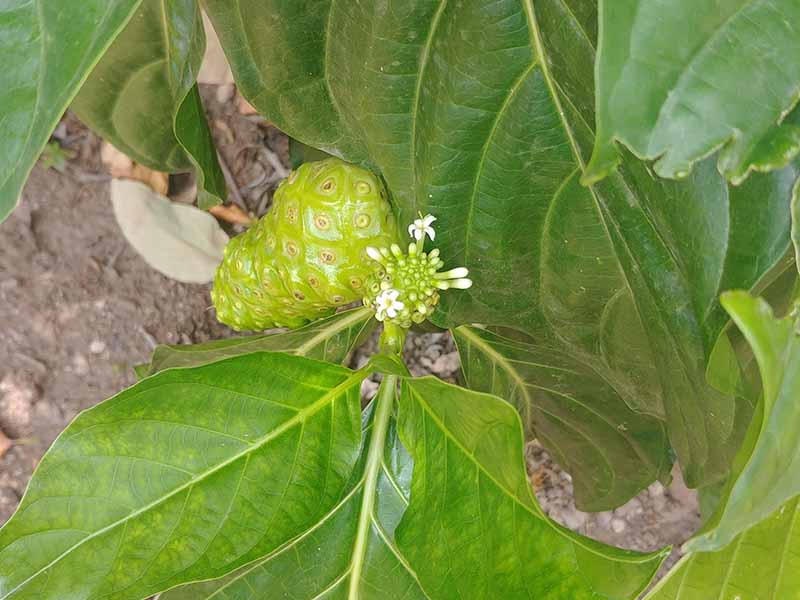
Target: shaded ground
79	308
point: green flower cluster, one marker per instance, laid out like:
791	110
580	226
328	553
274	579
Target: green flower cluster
404	288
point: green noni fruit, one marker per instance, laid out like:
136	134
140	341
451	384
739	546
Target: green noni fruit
307	255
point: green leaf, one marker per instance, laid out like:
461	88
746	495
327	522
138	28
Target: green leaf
481	114
473	529
142	95
767	471
760	564
330	340
300	153
47	53
189	474
322	562
676	93
611	451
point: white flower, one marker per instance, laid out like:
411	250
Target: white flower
422	227
387	304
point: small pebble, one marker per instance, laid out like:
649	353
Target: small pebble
617	525
80	366
447	364
97	347
574	519
603	519
369	388
225	93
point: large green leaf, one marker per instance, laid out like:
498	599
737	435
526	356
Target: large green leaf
611	451
473	529
187	475
143	98
767	471
677	80
762	563
330	340
47	53
321	562
481	113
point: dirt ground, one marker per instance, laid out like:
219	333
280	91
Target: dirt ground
79	308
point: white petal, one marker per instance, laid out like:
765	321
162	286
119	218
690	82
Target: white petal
398	305
428	220
391	312
392	294
374	254
419	234
461	284
412	230
431	233
453	273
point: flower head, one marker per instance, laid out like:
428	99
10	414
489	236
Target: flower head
422	227
387	304
405	286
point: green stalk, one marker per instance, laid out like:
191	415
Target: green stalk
380	426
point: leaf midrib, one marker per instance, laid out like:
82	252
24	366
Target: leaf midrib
681	356
507	365
423	61
512	496
522	383
325	334
297	419
359	486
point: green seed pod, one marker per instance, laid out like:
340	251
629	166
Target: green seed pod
307	255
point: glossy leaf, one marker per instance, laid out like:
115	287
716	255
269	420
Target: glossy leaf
189	474
760	564
473	529
611	451
481	114
47	54
677	93
142	95
320	563
330	340
767	471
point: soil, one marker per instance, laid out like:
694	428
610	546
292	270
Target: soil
80	308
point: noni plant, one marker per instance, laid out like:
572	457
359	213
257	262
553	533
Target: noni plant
596	199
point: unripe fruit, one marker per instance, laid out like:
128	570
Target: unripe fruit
307	255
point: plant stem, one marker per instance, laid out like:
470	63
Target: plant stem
380	426
392	338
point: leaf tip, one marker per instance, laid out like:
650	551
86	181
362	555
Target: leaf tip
605	159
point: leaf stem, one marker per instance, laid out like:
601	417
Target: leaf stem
380	426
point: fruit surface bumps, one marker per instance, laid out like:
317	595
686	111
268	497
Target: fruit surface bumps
307	255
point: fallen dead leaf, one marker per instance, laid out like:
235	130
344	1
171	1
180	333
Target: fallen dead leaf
5	444
244	107
122	166
231	213
214	68
180	241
